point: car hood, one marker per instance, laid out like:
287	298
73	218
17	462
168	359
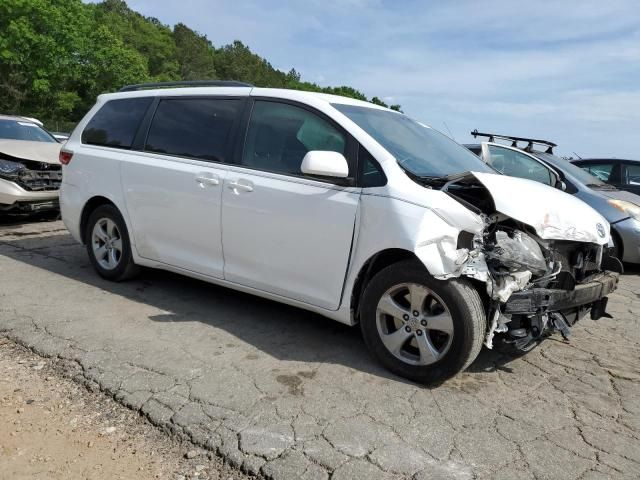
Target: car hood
554	214
619	195
25	150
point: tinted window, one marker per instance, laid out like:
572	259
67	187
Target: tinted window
516	164
116	123
371	172
196	127
633	174
280	135
24	130
600	170
419	149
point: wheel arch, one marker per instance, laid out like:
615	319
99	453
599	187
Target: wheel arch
371	267
89	207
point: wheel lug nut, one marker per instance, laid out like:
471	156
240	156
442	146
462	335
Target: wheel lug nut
423	323
405	316
407	328
419	332
416	313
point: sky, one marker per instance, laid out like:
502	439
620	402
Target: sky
564	71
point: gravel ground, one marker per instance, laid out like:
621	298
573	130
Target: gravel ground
55	428
287	394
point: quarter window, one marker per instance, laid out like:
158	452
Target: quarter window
280	135
195	128
516	164
116	123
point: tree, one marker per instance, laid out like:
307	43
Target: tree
195	54
56	56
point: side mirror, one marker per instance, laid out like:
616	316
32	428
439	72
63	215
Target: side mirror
325	164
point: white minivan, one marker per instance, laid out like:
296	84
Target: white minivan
337	206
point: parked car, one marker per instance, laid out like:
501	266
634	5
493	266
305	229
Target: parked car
60	136
622	174
30	174
337	206
620	208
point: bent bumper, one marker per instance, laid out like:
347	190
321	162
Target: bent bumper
13	194
541	300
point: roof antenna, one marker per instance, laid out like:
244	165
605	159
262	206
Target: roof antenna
579	157
450	134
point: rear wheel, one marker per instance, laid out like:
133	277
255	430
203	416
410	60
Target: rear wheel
108	244
423	329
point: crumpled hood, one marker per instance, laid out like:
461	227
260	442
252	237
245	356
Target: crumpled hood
27	150
554	214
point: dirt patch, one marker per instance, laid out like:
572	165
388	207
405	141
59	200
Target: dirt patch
54	428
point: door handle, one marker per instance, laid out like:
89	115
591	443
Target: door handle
237	186
204	180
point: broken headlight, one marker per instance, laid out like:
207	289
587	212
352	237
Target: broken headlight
518	251
10	169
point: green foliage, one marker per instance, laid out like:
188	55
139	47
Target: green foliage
56	56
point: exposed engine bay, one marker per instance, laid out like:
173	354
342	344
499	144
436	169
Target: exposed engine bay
532	286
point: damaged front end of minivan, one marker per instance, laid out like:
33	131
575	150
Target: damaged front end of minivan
539	258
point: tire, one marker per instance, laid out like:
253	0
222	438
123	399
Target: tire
452	308
106	228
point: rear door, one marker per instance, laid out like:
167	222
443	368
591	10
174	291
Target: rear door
284	232
173	189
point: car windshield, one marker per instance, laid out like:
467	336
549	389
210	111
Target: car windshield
421	150
572	170
23	130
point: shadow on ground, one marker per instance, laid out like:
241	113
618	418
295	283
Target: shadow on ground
284	332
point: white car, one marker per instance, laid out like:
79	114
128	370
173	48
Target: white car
336	206
30	174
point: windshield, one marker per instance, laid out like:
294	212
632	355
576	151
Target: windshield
23	130
419	149
582	176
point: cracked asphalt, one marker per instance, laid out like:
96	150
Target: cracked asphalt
284	393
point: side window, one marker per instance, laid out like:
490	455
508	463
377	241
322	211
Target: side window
280	135
194	127
633	174
371	174
516	164
600	170
116	123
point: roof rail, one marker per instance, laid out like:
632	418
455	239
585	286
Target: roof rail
515	140
187	83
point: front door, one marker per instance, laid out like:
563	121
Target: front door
283	232
173	190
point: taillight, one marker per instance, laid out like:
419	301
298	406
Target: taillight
65	157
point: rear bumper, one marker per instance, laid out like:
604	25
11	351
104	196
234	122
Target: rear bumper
541	300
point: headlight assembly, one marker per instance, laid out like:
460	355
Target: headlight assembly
9	168
629	208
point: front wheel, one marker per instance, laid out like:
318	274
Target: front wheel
421	328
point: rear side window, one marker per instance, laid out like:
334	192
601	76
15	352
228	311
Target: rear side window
116	123
196	128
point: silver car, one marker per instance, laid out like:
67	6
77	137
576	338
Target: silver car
30	173
620	208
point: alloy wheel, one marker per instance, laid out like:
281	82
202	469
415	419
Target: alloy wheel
414	324
106	243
